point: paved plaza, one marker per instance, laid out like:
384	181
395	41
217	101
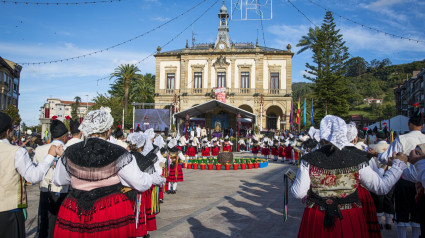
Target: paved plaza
211	204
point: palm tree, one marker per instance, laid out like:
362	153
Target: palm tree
74	108
126	73
309	40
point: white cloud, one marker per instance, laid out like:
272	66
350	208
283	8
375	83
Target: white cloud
161	19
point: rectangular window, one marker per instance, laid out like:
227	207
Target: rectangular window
244	79
197	80
274	81
221	79
170	80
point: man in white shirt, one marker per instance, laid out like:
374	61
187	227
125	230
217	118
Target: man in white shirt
51	196
76	134
198	131
406	212
15	164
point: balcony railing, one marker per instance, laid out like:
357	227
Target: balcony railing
169	91
229	91
197	91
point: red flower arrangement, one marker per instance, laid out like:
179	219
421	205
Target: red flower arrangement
415	104
365	128
119	126
68	118
54	117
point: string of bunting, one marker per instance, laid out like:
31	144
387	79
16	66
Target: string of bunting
58	3
365	26
302	13
116	45
171	40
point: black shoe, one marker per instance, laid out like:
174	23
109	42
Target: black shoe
168	192
382	227
387	227
161	201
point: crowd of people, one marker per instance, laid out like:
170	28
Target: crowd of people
96	182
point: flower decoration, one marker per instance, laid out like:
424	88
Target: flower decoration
416	105
54	117
119	126
365	128
68	118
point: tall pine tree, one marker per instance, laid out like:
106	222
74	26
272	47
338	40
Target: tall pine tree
330	54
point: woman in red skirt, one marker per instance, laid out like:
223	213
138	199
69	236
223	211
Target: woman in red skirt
275	150
191	152
255	148
175	173
265	151
227	145
206	148
215	149
97	171
329	179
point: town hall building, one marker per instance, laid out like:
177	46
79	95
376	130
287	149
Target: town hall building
218	81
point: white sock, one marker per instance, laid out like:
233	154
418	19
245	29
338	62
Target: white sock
174	186
379	215
401	231
416	232
169	186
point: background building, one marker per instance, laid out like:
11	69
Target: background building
9	83
61	109
255	78
411	91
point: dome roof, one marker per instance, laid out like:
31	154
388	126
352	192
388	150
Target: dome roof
223	9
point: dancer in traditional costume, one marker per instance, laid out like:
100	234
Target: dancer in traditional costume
119	135
255	148
227	145
97	170
205	148
191	150
275	150
76	134
281	150
175	173
17	167
215	148
241	144
329	178
287	151
265	150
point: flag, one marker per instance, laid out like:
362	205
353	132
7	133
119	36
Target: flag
312	113
298	111
291	117
305	114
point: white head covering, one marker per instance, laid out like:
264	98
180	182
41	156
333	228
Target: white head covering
149	133
148	146
159	141
351	131
97	121
314	133
136	138
334	130
172	143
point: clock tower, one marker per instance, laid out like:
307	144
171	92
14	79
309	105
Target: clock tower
223	41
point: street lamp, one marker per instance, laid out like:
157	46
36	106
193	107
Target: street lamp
146	122
187	124
239	128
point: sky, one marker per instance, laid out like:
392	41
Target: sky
32	33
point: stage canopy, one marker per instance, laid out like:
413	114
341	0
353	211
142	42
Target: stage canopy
398	123
211	105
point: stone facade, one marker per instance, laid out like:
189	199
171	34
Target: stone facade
251	74
9	83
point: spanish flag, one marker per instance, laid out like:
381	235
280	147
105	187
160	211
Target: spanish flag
298	111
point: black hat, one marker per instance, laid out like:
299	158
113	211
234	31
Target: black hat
361	134
118	133
73	126
369	131
255	141
381	135
375	129
58	129
5	122
163	150
417	118
226	140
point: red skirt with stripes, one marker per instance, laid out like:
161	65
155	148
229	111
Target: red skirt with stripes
172	174
150	215
369	212
265	151
111	216
352	225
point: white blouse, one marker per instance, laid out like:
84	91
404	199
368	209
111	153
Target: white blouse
368	178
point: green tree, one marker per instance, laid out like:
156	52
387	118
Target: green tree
115	103
126	74
307	42
74	108
330	54
13	112
142	89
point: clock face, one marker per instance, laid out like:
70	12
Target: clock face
221	46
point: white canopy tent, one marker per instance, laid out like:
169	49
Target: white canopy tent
397	124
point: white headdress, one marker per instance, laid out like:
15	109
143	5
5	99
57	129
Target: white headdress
97	121
351	131
136	138
159	141
314	133
334	130
149	133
